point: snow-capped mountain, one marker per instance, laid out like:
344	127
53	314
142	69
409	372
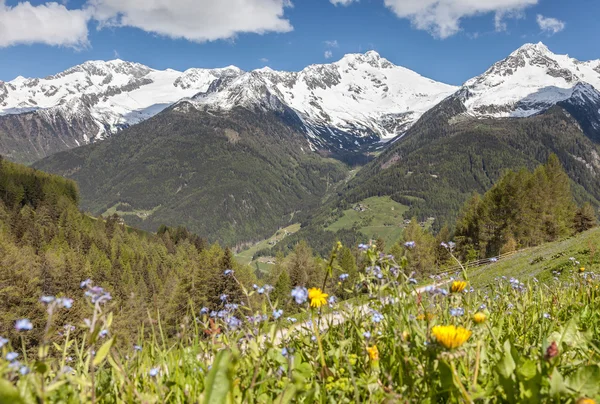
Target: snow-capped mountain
529	81
362	96
113	94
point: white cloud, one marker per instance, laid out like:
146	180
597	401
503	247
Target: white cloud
501	16
328	54
48	23
342	2
264	60
550	25
195	20
442	17
332	44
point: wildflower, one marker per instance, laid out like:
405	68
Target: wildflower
479	317
103	333
410	244
154	372
300	294
223	297
458	286
67	369
234	322
332	300
86	283
277	314
260	291
457	312
412	280
445	245
284	352
204	310
14	365
586	400
451	336
343	277
98	295
24	370
47	299
231	306
548	316
317	297
377	317
367	335
11	356
23	325
228	272
483	306
65	302
268	288
582	269
373	353
363	247
69	328
3	341
551	351
137	348
291	319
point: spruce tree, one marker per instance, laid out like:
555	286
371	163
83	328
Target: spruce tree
585	218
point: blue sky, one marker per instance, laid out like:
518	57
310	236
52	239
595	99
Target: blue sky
447	40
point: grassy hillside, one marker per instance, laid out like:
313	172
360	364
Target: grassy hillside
246	256
374	217
234	178
546	262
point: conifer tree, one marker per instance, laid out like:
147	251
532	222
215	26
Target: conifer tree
585	218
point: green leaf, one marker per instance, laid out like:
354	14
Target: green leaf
585	381
219	380
9	393
102	352
557	384
569	335
507	366
528	370
288	394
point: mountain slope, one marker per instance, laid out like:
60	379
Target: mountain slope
231	177
341	106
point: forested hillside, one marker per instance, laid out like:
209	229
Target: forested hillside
448	155
48	247
233	177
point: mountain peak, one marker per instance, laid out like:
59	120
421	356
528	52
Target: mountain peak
537	47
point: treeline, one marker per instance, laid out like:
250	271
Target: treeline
47	247
522	209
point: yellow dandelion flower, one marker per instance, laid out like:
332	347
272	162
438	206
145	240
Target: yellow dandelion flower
450	336
317	297
373	353
585	400
582	269
458	286
479	317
